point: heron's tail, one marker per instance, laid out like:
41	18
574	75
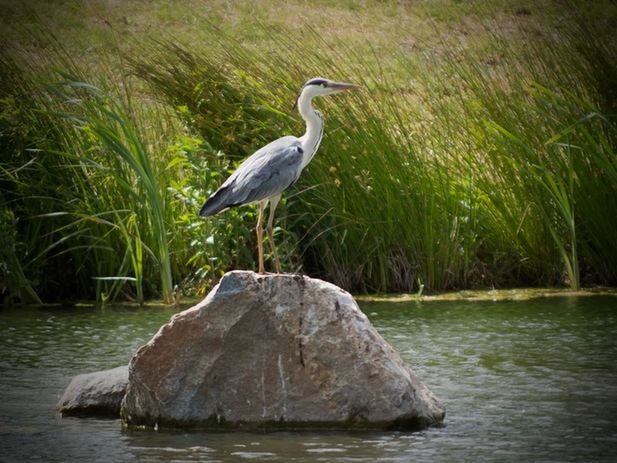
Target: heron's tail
210	208
215	203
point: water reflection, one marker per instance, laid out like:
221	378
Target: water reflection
522	381
303	447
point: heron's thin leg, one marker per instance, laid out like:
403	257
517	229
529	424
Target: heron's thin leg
260	232
273	203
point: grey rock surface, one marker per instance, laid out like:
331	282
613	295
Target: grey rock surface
95	394
275	352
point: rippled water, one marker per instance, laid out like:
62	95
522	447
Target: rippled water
522	381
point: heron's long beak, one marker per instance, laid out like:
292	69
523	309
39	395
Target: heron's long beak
340	86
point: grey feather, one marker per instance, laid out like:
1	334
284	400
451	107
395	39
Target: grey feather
266	173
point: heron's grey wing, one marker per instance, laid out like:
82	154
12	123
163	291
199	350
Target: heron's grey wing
271	175
266	173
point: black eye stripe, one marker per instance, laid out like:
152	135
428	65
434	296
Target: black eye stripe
316	82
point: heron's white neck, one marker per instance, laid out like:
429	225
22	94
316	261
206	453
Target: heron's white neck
314	127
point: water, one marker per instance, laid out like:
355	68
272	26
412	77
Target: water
522	381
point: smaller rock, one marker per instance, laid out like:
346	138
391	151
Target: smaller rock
95	394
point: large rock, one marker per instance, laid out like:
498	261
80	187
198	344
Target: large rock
95	394
274	352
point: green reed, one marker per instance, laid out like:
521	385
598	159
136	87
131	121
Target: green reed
482	165
461	179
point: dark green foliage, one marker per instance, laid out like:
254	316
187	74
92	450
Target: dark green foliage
483	186
492	166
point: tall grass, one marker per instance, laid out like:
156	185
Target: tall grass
544	156
367	185
474	178
481	165
135	178
105	189
103	204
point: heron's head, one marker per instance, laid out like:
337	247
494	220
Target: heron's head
319	86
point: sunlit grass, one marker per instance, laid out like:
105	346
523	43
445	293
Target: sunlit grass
411	187
465	160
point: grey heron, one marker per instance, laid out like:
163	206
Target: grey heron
264	175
